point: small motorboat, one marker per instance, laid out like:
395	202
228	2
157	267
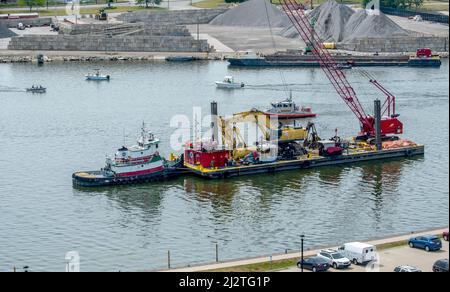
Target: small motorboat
342	66
37	89
229	83
96	76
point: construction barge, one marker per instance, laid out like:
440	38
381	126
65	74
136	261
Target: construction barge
298	58
277	146
306	162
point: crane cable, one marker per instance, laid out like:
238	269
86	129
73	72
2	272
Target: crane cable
283	79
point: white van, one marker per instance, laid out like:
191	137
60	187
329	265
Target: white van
358	252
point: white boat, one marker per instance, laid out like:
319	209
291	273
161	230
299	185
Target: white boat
96	76
228	82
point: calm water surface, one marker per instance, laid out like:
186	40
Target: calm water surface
44	138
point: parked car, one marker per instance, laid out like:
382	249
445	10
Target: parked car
358	252
427	242
445	235
315	264
440	266
334	258
410	269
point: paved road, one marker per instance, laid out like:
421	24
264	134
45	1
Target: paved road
179	4
59	7
393	257
171	4
422	27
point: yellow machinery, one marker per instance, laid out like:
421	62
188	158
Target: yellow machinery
329	46
266	128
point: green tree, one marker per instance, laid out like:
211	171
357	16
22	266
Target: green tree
31	3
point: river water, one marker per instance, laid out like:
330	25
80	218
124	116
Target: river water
45	138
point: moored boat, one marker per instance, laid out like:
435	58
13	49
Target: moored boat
37	89
180	58
135	164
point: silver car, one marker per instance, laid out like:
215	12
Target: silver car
334	258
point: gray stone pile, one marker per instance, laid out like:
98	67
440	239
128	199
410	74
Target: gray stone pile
339	23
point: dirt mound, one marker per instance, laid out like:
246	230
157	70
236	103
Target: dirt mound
339	23
5	32
253	13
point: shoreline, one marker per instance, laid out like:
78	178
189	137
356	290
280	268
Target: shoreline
10	56
263	261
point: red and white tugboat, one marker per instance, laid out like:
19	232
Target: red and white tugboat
134	164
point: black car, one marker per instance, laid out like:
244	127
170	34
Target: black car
440	266
315	264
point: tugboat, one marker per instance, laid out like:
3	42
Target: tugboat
96	76
287	109
135	164
229	83
37	89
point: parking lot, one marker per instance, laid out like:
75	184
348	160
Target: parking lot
393	257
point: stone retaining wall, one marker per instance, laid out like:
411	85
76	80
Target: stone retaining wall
124	29
192	16
41	21
404	44
119	44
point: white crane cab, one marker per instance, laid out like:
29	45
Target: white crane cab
358	252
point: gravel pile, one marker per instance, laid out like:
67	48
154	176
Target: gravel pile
331	19
339	23
364	25
253	13
5	32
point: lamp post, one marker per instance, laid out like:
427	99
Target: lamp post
302	236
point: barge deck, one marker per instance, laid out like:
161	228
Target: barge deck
307	161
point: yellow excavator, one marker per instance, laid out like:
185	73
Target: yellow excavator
267	129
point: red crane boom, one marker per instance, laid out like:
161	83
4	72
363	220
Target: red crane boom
389	124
